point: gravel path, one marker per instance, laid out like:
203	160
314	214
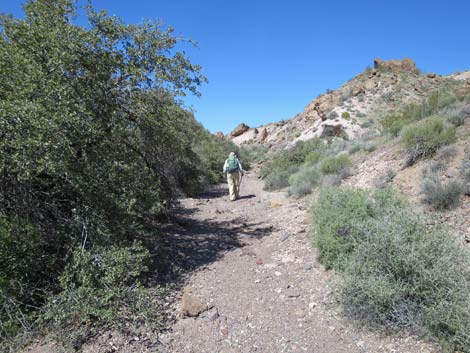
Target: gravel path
252	262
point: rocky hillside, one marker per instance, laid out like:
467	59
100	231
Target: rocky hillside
355	107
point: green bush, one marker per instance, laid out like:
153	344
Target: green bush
402	275
346	115
335	215
435	103
276	171
438	195
276	180
457	120
253	154
394	270
425	138
336	165
94	143
99	288
465	172
302	182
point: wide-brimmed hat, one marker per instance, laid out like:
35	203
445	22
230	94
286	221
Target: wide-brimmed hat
232	154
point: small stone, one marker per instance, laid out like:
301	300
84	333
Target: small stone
307	267
284	236
191	305
224	331
259	261
213	314
312	305
360	343
257	281
277	273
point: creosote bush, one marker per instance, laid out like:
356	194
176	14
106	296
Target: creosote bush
281	166
436	103
336	164
439	195
423	139
302	182
394	270
465	172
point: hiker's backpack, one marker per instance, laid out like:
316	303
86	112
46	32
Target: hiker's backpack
232	165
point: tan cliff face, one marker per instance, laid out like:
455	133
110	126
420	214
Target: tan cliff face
353	108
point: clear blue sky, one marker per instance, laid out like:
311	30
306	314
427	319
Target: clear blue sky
266	60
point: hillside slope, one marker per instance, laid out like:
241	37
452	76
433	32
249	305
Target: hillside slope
356	106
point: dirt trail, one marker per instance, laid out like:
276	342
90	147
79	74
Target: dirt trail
252	261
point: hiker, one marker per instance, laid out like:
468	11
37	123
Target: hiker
234	170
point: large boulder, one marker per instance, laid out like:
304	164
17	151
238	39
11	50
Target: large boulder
405	65
219	134
239	130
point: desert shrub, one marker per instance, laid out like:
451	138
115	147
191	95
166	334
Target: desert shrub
99	288
438	195
331	180
446	153
403	275
312	158
423	139
334	215
435	103
332	115
339	164
457	120
276	180
302	182
370	147
277	170
394	270
465	172
94	144
253	154
384	180
355	147
367	124
346	115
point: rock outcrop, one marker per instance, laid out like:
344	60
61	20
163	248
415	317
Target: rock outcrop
352	109
405	65
240	129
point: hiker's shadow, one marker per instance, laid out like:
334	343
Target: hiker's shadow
214	192
244	197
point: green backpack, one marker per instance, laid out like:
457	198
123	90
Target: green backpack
232	165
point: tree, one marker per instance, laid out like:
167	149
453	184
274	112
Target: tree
93	142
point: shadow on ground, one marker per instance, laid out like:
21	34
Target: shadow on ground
186	244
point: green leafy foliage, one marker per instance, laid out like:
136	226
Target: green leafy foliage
278	169
435	103
394	270
423	139
93	146
336	164
98	287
